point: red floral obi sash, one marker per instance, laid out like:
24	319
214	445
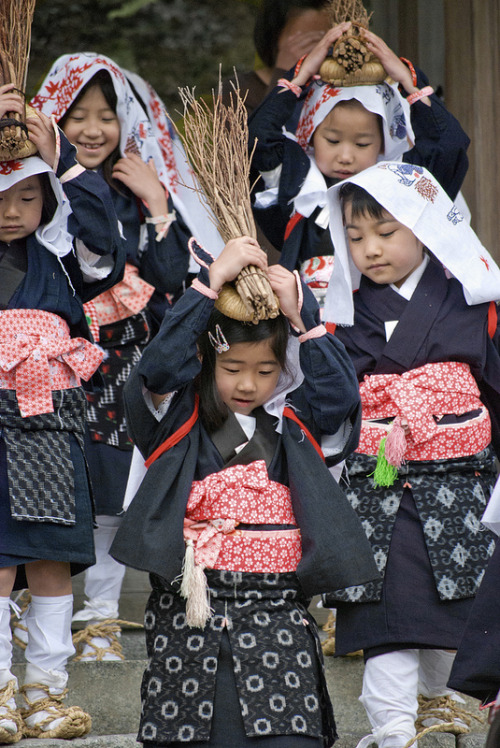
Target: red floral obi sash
124	300
242	494
421	397
38	355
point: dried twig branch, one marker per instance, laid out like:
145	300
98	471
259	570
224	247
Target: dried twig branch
16	17
216	142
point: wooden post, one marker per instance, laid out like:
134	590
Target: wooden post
473	95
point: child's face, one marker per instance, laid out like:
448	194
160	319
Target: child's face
20	209
246	375
383	249
93	127
347	141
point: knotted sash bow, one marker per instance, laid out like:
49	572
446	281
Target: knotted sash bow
241	490
29	354
126	298
418	395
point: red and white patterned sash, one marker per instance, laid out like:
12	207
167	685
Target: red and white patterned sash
420	396
242	493
124	300
38	355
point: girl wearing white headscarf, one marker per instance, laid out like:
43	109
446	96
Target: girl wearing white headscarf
359	125
159	211
422	332
60	245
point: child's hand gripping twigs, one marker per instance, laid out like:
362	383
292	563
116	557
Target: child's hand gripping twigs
284	285
236	255
10	100
12	109
317	55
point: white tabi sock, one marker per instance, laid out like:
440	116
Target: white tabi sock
103	581
434	672
5	663
49	647
390	697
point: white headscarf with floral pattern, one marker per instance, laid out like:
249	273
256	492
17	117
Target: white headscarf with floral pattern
148	134
414	197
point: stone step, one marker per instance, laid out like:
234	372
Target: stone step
110	691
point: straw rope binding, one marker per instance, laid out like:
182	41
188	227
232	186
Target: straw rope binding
16	17
351	63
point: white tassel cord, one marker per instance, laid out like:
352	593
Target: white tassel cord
195	590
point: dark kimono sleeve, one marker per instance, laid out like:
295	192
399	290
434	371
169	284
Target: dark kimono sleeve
93	220
440	143
329	397
170	360
274	149
165	263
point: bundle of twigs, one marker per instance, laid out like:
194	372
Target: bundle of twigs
351	62
348	10
215	139
16	17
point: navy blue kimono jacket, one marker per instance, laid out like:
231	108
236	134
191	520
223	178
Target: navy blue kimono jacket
93	220
440	145
435	325
150	537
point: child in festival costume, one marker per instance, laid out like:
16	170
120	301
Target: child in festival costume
425	345
57	250
344	127
229	416
121	130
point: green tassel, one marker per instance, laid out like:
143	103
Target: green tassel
385	474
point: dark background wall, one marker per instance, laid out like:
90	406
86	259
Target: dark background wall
171	43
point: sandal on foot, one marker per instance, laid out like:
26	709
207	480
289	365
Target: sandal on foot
98	642
11	722
442	714
45	716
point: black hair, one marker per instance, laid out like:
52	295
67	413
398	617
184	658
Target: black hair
362	203
103	80
49	204
270	22
355	103
213	411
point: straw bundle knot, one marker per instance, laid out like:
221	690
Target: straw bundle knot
351	62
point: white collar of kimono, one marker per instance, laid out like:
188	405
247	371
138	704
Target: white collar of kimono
416	199
286	382
149	134
54	235
383	100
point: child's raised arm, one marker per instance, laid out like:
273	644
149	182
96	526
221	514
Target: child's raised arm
393	66
142	179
